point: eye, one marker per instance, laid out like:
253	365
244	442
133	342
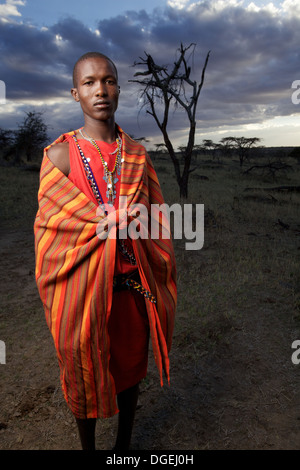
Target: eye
109	81
88	82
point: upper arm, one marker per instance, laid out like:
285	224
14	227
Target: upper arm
59	156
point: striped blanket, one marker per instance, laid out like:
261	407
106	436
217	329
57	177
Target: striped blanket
74	275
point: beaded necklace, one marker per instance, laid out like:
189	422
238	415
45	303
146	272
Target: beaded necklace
109	176
91	179
89	174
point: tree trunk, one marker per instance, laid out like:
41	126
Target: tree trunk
17	158
172	155
184	180
183	185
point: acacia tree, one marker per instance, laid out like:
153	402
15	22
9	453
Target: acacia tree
31	136
162	85
161	147
241	144
211	147
6	142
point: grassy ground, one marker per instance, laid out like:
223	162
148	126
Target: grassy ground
233	384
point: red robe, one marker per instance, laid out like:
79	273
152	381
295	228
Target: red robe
74	273
128	325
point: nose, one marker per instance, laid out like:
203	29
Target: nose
101	89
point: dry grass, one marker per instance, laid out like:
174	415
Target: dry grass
245	246
233	385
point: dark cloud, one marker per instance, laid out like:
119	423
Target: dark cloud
254	60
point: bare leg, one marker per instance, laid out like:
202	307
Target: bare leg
127	401
86	428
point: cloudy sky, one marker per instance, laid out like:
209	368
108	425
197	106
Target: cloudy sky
255	58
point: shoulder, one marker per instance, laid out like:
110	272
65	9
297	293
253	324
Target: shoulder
59	156
133	146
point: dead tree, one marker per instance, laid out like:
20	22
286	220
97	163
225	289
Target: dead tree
161	85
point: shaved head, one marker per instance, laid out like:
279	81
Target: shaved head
90	55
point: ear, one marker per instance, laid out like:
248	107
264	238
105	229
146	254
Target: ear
119	89
74	93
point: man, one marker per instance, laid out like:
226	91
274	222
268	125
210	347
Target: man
103	295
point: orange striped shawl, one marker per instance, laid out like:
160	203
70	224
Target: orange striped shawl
74	275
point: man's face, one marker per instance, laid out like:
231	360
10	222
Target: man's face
97	89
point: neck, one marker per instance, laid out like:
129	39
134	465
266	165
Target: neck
105	131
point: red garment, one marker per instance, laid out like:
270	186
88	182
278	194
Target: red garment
74	272
128	323
78	177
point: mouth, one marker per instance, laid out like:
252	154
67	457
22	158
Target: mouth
101	104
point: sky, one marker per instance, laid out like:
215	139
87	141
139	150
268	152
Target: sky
254	62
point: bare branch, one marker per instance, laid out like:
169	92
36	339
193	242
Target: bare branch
162	85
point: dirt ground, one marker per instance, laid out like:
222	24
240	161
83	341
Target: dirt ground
233	384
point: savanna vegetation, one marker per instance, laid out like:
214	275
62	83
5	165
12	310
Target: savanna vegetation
233	383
